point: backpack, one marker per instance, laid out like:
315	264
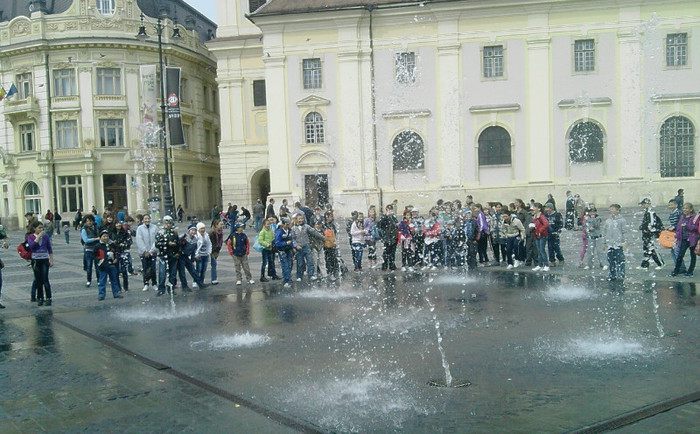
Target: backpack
329	243
24	251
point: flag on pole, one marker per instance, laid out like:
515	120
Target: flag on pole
2	93
12	92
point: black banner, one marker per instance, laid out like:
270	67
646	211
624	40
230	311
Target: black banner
172	90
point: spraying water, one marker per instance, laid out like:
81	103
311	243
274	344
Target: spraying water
445	365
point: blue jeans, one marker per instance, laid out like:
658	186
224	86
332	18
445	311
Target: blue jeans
304	257
258	223
286	263
202	267
685	245
170	266
187	263
554	248
541	244
674	255
616	264
110	271
41	277
268	259
357	249
512	247
88	263
213	268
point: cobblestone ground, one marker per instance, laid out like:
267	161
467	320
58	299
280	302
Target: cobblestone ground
548	353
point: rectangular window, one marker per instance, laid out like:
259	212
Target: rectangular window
677	49
259	96
184	95
64	82
312	73
493	61
215	100
26	137
207	141
212	195
105	7
71	193
187	190
109	81
111	133
156	186
24	85
207	97
405	68
186	131
67	134
584	55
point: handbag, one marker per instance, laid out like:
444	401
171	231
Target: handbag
257	246
667	238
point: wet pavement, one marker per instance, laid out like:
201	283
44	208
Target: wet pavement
551	352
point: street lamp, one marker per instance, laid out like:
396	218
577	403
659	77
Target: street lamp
142	35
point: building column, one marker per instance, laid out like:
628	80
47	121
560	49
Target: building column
539	116
448	99
350	125
279	151
629	159
89	195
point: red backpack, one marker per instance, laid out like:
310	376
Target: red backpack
24	251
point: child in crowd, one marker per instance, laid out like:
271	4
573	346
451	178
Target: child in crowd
188	251
239	249
472	234
107	259
266	238
614	231
408	247
317	246
330	248
592	227
357	240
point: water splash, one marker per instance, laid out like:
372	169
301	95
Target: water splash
655	302
597	348
568	293
445	364
327	294
229	342
153	313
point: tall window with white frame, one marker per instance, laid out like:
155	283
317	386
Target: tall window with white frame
32	198
105	7
187	181
408	152
405	68
493	61
71	192
494	147
584	55
677	147
314	128
67	134
586	142
24	85
109	81
311	69
677	49
64	83
26	137
111	133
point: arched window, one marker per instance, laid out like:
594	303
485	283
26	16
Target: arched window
313	126
677	147
32	201
586	143
494	147
408	152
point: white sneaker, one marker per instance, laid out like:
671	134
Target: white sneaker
410	268
586	267
516	264
146	288
605	267
403	268
287	285
538	268
194	285
298	279
238	282
332	278
545	268
313	277
659	267
251	281
510	266
87	283
433	268
214	282
154	287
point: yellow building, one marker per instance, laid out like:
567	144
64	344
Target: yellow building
371	101
71	136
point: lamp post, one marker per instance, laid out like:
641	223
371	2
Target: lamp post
142	35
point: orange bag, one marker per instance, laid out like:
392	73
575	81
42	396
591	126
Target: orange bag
667	238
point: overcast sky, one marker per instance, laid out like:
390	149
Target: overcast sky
206	7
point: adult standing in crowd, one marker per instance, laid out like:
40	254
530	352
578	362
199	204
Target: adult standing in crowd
89	236
42	258
258	215
270	209
389	232
146	246
3	237
687	238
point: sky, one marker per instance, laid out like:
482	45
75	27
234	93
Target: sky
206	7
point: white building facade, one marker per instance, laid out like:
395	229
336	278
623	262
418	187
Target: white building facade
416	101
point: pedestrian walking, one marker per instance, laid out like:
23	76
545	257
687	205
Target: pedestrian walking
146	247
42	259
650	228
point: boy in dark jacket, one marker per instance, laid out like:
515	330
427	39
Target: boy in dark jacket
122	240
556	222
239	248
285	247
651	227
107	259
389	228
471	234
188	250
168	256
